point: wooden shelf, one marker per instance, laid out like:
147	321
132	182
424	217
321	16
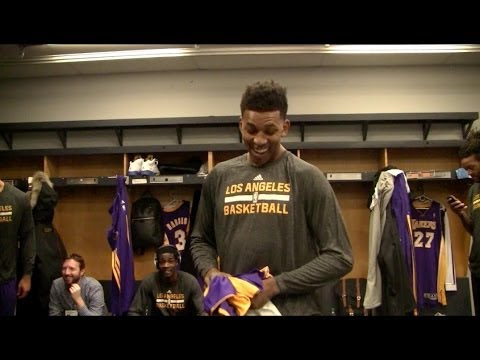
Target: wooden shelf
112	180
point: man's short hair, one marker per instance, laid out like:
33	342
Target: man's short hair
77	258
471	145
167	249
265	96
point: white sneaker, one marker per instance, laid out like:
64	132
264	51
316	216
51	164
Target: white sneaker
149	167
135	168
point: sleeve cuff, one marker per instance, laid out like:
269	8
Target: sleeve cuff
280	283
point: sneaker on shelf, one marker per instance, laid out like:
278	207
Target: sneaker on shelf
149	167
135	168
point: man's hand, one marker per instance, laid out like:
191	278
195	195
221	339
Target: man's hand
75	291
456	205
211	274
461	210
270	289
24	286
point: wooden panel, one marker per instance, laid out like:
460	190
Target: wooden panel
89	165
126	164
210	161
20	167
341	160
383	158
82	220
352	198
220	156
414	159
50	164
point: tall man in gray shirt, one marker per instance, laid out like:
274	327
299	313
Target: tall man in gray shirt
270	208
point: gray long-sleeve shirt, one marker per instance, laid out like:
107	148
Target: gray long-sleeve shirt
92	294
283	215
155	297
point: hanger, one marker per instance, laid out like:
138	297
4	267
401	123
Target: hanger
423	198
172	202
422	201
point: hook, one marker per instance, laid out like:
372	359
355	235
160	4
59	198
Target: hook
22	48
421	189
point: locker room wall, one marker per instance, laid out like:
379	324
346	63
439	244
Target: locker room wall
203	93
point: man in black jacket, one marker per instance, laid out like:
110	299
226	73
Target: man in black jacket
50	248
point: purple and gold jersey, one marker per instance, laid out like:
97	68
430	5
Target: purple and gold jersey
176	225
427	238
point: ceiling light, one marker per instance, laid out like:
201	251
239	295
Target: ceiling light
102	56
161	51
401	49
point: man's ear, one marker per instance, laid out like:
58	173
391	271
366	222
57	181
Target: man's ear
240	124
286	127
